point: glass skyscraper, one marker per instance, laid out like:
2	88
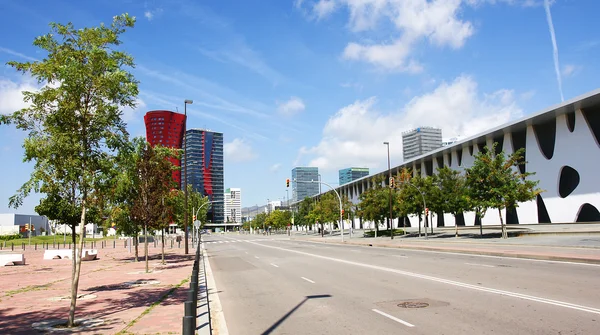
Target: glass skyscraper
205	170
351	174
301	188
166	128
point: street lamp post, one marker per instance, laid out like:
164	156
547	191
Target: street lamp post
185	190
390	196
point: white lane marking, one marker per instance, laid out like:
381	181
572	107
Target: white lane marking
449	282
486	265
256	257
275	265
246	252
308	280
393	318
400	256
460	254
220	241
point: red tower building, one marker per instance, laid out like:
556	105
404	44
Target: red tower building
166	128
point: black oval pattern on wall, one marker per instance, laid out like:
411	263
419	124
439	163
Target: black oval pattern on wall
568	181
592	117
588	213
545	134
459	156
542	212
519	140
571	121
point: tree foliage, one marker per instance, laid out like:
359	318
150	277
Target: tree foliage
453	192
494	181
74	122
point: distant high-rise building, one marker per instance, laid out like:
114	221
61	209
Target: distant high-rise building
166	128
301	186
350	174
233	205
419	141
205	169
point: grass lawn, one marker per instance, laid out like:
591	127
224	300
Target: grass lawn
50	239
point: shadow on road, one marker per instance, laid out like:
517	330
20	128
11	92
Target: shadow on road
282	319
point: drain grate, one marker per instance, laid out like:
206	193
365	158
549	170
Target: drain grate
413	304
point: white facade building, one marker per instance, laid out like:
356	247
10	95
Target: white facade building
562	148
11	223
233	205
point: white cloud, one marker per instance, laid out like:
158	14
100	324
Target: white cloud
354	135
437	21
527	95
323	8
18	54
275	167
238	151
131	114
570	70
291	107
151	14
11	94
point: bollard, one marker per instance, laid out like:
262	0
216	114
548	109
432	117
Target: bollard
53	245
12	246
114	244
35	246
178	245
23	246
189	309
171	244
47	245
192	296
189	325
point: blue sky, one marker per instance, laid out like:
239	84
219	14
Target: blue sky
320	83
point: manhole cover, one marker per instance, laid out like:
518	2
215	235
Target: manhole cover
413	304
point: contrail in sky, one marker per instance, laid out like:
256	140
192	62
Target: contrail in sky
554	47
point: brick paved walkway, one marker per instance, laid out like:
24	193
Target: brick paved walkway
28	293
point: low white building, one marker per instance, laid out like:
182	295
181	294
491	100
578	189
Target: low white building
11	223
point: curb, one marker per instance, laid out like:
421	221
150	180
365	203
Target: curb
219	326
474	252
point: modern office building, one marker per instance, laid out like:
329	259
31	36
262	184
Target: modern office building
301	182
562	148
205	169
233	205
11	223
166	128
419	141
350	174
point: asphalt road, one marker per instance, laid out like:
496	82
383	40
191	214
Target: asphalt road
271	285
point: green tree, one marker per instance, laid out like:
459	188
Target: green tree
302	217
494	181
74	122
155	183
374	203
411	193
453	193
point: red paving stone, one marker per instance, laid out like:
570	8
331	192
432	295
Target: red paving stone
26	290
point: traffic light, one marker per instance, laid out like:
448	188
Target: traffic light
342	212
194	218
426	211
392	182
27	226
287	182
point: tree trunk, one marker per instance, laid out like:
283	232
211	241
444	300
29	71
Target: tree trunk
135	242
75	281
146	245
163	246
504	235
455	227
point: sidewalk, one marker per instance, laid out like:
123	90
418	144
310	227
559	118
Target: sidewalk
113	289
581	244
